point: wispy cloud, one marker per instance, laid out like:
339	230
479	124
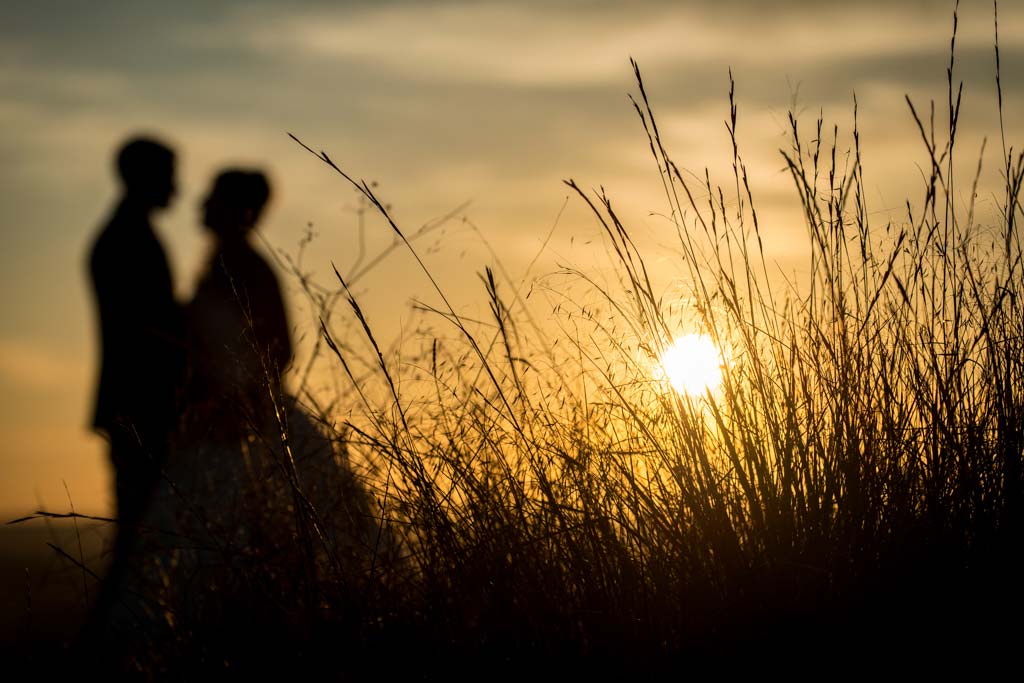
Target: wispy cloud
570	45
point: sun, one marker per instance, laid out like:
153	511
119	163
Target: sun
692	364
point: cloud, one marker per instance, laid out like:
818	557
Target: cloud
570	46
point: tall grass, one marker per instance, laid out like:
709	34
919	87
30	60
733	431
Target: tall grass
857	477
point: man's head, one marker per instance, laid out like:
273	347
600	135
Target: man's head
146	168
235	203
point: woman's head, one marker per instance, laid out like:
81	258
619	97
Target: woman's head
234	204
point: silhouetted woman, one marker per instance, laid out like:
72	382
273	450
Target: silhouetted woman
228	458
240	346
238	327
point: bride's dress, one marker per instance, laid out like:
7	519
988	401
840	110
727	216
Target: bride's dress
256	494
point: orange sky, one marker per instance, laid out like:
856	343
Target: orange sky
443	103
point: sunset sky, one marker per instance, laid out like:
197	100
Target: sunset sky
491	103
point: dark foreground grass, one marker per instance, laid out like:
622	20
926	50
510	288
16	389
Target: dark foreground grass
542	505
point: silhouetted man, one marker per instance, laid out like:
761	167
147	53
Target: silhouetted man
141	331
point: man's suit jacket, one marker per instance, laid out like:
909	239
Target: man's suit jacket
141	328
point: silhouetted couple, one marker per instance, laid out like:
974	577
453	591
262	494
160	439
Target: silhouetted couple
174	378
218	470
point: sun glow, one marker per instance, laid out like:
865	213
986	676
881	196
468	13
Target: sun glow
692	364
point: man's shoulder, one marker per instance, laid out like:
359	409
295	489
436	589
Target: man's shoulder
104	246
123	249
125	232
118	227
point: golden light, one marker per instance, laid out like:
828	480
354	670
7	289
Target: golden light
692	364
